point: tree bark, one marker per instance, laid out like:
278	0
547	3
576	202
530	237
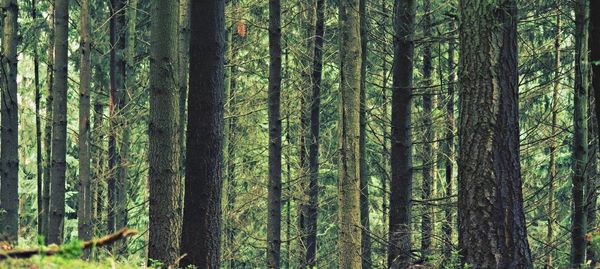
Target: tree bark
364	173
492	231
274	207
580	143
38	125
401	149
84	208
9	140
163	153
59	123
429	136
200	237
350	234
48	127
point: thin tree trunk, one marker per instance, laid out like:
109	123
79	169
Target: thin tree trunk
98	151
429	136
163	153
364	173
184	64
59	124
350	234
449	148
580	143
401	149
200	237
9	153
38	125
84	208
48	128
274	208
553	146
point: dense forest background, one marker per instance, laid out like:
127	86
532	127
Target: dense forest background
304	133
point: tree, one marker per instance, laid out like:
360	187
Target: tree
580	137
163	154
364	173
401	150
9	153
38	126
429	136
48	128
274	207
350	234
59	123
84	213
490	185
200	238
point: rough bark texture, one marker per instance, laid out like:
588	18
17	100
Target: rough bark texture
492	230
274	208
204	161
401	149
59	124
9	154
580	137
48	127
364	173
84	208
350	234
163	153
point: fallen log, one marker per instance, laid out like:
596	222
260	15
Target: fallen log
54	249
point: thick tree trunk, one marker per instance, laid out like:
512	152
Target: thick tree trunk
59	124
200	237
580	143
274	208
48	127
163	153
490	185
9	153
84	208
117	87
401	149
350	234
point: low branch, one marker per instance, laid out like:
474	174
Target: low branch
54	249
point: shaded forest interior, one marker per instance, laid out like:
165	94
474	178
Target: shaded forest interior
300	134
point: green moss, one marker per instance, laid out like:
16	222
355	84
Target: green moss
64	263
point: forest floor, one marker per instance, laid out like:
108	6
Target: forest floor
58	262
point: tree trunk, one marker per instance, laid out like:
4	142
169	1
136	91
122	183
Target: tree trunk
553	145
580	143
204	152
38	126
401	149
490	185
594	47
163	153
364	173
449	148
184	64
117	87
48	127
84	208
98	157
59	124
274	208
9	153
429	136
350	235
